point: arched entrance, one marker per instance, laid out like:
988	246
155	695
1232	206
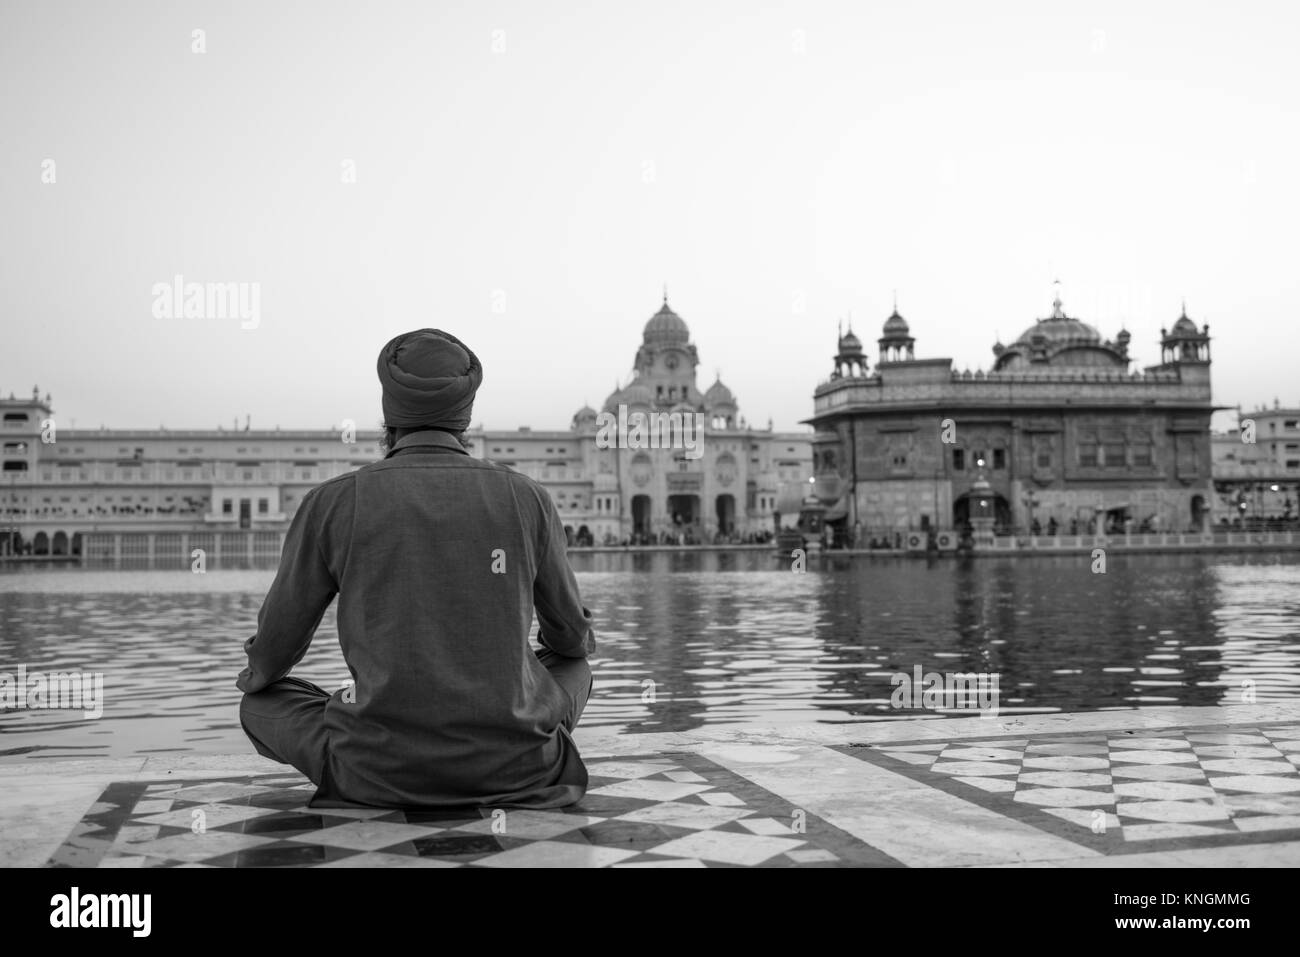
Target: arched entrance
1199	512
41	544
1001	512
725	506
684	510
641	517
60	545
76	543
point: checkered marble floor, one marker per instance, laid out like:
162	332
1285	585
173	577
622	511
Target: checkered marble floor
1122	791
664	810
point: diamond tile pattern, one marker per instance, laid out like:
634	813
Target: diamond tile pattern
663	811
1124	791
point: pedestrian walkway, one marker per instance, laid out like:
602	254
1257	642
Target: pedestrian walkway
1164	787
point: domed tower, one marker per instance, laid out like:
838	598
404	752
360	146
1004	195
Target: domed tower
1183	343
584	420
666	361
849	356
896	342
720	406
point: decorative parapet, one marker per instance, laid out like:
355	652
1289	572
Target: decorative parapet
1062	387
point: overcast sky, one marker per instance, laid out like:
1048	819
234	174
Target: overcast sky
529	174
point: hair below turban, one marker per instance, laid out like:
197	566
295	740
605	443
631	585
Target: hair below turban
429	378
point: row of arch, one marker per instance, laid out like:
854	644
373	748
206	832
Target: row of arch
43	543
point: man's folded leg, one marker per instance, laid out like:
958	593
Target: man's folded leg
574	676
286	723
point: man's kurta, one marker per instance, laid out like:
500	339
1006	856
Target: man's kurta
439	561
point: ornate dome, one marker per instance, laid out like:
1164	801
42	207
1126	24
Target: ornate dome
665	327
895	326
1185	326
1058	329
584	417
719	394
1060	340
850	345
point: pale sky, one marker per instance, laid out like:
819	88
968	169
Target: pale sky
529	174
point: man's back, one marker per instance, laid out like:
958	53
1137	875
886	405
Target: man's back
437	559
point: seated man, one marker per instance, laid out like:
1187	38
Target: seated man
439	560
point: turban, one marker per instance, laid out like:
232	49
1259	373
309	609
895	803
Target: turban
429	378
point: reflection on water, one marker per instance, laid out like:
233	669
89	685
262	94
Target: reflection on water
689	638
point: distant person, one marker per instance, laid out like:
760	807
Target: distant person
439	561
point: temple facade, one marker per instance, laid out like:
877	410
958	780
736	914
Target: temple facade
662	460
1069	437
705	476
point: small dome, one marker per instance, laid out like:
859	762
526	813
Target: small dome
895	325
633	394
850	345
719	394
1184	327
586	416
998	348
665	326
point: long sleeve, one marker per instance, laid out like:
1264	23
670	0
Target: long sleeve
293	608
565	622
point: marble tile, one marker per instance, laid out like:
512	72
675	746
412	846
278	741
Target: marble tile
675	862
1069	750
648	790
991	784
1282	804
198	847
362	835
1260	823
206	816
1172	812
1067	762
1221	739
914	824
1165	791
969	768
533	825
721	799
350	813
748	850
966	753
811	856
1168	831
694	816
1237	751
556	854
1066	779
922	760
1064	797
380	859
1248	766
1159	772
685	777
633	769
1257	783
1146	743
216	791
1087	818
1149	756
152	806
768	826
